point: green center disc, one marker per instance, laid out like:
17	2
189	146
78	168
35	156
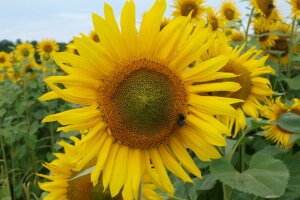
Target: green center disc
145	101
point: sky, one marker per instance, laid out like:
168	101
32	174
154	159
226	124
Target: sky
63	19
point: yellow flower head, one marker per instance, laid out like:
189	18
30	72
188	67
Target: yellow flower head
272	112
237	36
267	11
214	21
46	48
295	7
185	7
93	35
229	11
281	44
246	69
265	38
25	51
137	96
4	60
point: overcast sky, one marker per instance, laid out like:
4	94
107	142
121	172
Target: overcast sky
62	19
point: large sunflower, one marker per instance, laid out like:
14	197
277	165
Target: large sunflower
248	67
139	100
229	11
295	7
25	51
185	7
272	111
46	48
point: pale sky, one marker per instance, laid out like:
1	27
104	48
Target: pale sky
63	19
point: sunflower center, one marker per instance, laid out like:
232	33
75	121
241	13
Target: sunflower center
25	53
48	48
298	4
229	14
214	23
281	45
82	189
142	103
243	78
188	7
2	60
266	6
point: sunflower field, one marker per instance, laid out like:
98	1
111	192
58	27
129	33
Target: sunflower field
202	104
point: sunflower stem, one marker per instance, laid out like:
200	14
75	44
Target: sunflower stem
291	48
3	153
237	144
227	191
248	25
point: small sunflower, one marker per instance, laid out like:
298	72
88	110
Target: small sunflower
272	111
185	7
265	38
46	48
237	36
25	51
247	68
138	98
295	7
266	10
94	36
229	11
214	21
4	60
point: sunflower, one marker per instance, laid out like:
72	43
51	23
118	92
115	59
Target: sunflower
138	98
25	51
266	10
281	44
93	35
229	11
248	68
214	21
46	48
185	7
272	111
265	38
4	60
237	36
295	7
63	183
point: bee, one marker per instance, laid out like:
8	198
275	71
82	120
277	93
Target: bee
181	120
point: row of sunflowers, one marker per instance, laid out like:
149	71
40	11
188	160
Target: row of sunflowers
197	106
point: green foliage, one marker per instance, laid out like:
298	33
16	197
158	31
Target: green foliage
266	177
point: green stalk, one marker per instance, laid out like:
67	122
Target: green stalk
291	48
237	144
5	163
248	25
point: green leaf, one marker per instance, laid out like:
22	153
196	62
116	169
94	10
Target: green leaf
293	82
266	177
290	122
